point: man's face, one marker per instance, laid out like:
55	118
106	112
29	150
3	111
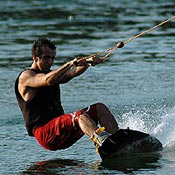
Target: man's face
46	59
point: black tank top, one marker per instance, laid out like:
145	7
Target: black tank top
42	108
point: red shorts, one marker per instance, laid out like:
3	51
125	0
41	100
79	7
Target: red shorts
63	131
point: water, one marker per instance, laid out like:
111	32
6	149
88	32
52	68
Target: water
136	82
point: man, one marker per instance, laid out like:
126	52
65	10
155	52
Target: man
38	94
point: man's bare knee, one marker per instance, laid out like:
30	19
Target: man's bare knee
83	117
87	125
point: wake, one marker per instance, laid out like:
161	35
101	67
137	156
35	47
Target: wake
160	126
165	131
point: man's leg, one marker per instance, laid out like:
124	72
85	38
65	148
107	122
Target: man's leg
87	125
106	120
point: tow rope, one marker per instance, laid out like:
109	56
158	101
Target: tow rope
121	44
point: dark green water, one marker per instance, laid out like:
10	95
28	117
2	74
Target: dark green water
136	82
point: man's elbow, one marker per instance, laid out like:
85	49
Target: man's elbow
49	81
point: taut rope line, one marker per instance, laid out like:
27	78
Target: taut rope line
164	22
121	44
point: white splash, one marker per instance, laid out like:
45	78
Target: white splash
133	121
160	126
165	131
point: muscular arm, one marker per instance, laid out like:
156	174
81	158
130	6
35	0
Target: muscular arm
61	75
72	72
29	80
80	66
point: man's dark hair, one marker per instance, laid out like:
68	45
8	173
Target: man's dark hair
39	44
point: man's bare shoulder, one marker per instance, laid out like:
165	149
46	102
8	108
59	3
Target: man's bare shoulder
28	73
30	78
25	79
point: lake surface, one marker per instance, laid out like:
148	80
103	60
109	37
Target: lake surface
137	82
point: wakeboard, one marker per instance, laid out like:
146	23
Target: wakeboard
127	141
